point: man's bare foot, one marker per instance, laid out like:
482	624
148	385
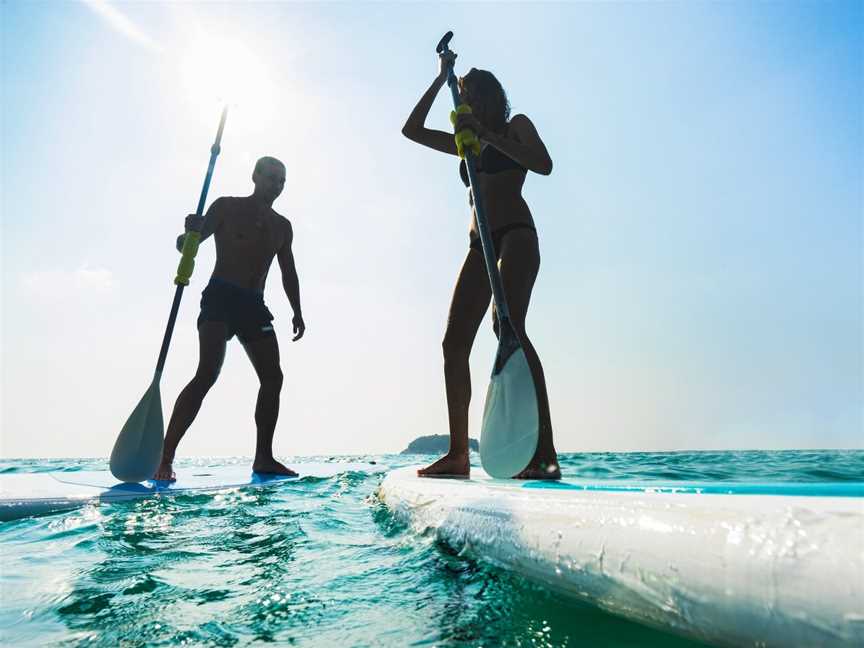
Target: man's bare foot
165	472
450	465
269	466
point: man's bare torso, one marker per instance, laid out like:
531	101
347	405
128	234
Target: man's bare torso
247	237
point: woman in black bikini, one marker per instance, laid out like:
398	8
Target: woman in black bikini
510	149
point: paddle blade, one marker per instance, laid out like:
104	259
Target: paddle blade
138	449
511	424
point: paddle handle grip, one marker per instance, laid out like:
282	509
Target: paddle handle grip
443	43
187	260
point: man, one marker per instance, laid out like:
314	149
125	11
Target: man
248	234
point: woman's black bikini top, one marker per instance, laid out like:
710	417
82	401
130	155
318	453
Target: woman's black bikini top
491	161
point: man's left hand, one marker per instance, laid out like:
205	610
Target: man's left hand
299	327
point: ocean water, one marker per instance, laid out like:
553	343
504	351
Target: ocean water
316	562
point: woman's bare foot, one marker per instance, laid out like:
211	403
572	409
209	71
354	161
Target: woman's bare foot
450	465
165	471
540	471
269	466
544	465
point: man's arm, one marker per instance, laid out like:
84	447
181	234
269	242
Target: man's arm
290	281
207	224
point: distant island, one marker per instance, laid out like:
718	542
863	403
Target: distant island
435	444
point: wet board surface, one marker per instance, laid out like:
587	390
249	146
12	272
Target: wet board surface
799	489
725	563
26	494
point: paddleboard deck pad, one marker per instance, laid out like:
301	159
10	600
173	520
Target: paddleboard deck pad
732	564
28	494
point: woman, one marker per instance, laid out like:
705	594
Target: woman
511	147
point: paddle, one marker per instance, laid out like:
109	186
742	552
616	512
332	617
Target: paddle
511	419
138	448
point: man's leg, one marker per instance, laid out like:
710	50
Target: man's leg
211	340
264	354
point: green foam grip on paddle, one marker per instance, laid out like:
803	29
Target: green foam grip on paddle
466	139
187	261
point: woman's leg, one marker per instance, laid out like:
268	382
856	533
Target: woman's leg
469	304
519	263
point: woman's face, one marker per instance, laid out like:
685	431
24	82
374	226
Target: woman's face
473	100
465	92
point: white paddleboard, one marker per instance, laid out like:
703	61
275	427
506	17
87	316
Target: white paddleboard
26	494
733	564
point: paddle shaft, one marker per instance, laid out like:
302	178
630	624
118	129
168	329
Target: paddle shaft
178	293
489	253
508	340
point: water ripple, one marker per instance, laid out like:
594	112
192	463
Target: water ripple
314	562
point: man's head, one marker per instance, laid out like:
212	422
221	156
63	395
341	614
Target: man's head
269	177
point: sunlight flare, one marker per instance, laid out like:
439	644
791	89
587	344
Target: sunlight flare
217	71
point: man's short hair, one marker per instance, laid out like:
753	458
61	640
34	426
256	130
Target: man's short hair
267	160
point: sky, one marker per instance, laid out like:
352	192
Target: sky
701	285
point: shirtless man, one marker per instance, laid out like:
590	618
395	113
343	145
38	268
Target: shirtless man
248	234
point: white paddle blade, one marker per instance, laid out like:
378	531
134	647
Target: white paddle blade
138	449
511	423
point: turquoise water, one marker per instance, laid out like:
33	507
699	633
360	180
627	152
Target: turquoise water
314	563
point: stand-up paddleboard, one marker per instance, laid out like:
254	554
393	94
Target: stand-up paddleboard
27	494
736	564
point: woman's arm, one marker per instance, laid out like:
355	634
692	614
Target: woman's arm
415	126
523	145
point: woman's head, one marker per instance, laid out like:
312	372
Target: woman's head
482	91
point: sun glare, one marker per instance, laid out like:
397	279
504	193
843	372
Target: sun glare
217	71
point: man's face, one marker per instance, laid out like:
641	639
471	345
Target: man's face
270	179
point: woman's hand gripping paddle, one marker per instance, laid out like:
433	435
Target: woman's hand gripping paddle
511	422
138	448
